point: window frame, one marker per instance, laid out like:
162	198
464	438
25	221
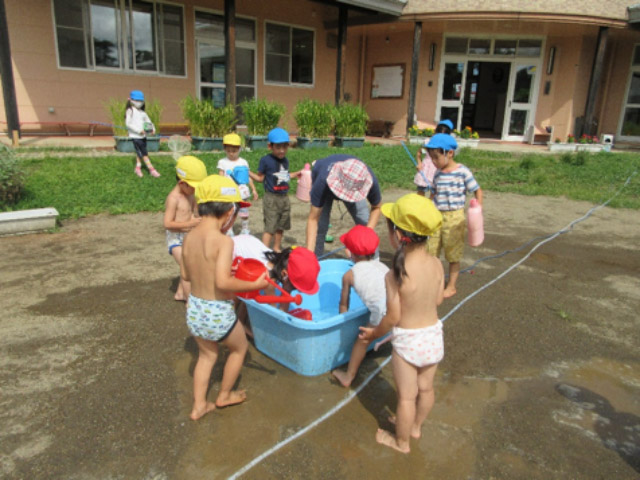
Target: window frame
625	99
221	43
125	33
313	59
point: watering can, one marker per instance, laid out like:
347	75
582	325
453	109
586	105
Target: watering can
240	174
303	191
250	269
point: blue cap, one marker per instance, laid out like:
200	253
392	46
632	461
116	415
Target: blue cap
446	122
136	95
278	135
443	141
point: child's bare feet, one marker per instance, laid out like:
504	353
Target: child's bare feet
179	296
449	292
343	377
198	413
415	432
388	439
231	398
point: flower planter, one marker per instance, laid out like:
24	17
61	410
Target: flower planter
562	147
467	142
255	142
206	144
27	221
306	143
124	144
413	140
153	144
590	147
351	142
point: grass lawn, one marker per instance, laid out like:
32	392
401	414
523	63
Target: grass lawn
77	186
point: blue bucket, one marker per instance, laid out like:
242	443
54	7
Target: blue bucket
240	175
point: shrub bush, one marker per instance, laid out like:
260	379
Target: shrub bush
262	115
351	120
205	120
11	177
314	119
116	110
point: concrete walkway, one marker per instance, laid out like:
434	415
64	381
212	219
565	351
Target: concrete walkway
106	142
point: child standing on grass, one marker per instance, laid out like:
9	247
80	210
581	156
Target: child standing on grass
139	126
273	170
426	169
180	212
414	291
237	169
451	183
211	319
367	279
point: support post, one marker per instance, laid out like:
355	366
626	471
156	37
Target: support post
343	14
413	82
6	72
590	126
230	50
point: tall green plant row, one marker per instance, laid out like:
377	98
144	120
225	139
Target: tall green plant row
116	110
351	120
205	120
261	115
314	119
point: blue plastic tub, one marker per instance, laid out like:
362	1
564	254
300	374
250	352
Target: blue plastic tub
317	346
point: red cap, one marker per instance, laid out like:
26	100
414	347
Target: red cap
361	240
303	269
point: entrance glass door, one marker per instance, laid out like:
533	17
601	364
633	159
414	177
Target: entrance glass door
452	93
520	100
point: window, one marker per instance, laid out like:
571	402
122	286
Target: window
631	113
289	54
488	46
132	35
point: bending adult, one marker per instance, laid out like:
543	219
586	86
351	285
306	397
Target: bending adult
348	179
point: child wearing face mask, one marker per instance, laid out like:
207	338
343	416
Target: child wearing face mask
139	125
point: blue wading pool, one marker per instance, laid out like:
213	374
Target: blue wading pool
317	346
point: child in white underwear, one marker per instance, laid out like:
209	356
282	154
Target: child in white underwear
367	279
180	211
206	262
415	287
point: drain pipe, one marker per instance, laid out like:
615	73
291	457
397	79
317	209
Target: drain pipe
8	85
590	126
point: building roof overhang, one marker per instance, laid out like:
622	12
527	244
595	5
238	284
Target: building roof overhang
389	7
518	16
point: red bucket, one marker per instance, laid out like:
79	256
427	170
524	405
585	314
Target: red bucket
248	269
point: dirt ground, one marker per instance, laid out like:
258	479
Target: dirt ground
540	379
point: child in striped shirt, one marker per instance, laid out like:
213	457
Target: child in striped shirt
451	183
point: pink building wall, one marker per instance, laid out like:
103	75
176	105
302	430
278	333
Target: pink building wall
78	95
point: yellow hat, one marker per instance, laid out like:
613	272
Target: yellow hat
216	188
232	139
414	213
191	170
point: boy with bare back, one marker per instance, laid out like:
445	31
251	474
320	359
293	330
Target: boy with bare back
207	256
180	212
415	287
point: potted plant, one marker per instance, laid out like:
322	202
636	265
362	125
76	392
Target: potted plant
154	110
589	143
417	136
558	146
467	137
350	125
116	112
207	123
315	123
260	116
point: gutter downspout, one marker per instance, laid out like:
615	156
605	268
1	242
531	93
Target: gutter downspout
413	82
230	50
8	85
590	125
343	14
